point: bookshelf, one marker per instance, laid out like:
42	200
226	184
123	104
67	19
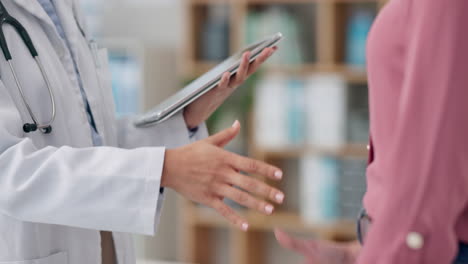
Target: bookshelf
325	34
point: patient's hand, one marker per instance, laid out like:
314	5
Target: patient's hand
320	252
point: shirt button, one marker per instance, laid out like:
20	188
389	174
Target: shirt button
414	240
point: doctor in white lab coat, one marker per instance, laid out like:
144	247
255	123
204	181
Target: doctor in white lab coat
59	190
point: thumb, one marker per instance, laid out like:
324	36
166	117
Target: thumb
292	243
223	138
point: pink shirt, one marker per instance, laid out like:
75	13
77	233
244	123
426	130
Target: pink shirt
418	177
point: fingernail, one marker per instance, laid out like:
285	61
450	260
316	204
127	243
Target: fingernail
236	123
269	209
245	226
278	175
279	197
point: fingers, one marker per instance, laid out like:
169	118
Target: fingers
246	68
266	53
256	187
231	215
224	83
291	243
223	138
254	166
244	199
241	74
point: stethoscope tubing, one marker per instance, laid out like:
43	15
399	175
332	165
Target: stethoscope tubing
49	89
45	128
47	125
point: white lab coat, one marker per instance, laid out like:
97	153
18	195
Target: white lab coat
57	191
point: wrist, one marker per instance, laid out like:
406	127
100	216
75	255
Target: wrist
166	177
188	119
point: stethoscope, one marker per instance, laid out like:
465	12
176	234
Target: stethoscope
6	18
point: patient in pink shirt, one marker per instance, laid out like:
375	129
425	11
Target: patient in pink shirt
418	172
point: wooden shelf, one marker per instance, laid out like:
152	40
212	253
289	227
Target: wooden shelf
210	2
269	2
352	75
345	229
349	150
327	41
357	1
200	67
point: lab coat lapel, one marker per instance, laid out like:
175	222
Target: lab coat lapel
68	20
80	18
34	8
79	45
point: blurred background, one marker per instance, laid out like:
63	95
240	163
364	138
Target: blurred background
305	111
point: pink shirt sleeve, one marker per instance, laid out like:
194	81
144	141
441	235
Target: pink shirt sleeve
425	164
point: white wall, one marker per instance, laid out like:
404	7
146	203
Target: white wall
158	26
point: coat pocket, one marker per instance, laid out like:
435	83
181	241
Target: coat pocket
57	258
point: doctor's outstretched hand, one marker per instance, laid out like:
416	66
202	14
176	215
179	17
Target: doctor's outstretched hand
206	173
320	252
197	112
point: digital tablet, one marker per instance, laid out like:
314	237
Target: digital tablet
202	85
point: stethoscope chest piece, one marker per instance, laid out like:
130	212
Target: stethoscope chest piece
31	127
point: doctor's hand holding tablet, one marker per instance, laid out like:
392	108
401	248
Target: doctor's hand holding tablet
201	109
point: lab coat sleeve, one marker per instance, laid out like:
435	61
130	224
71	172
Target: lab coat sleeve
202	133
101	188
171	134
424	163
